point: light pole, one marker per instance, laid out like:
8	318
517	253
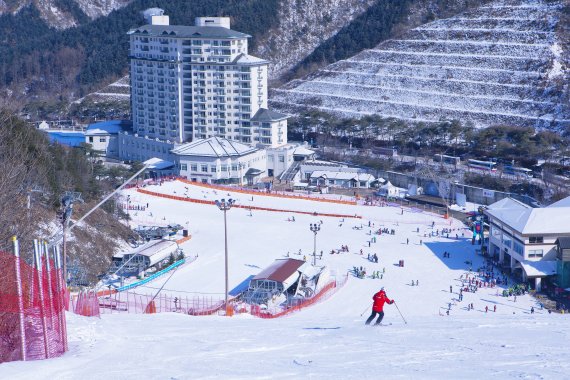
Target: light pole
225	206
315	228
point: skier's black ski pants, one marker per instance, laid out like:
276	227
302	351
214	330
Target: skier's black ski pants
380	316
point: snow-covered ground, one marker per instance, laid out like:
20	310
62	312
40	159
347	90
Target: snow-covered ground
327	340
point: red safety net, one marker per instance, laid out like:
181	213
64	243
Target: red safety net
32	317
129	302
87	304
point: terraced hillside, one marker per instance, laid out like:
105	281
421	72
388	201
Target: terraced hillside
497	64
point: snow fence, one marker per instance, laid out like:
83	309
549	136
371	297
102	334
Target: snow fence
32	310
136	303
87	304
275	194
201	201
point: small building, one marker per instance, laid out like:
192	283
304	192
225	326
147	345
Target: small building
103	136
303	154
341	179
271	128
307	168
521	235
147	255
390	191
281	160
285	281
563	261
220	161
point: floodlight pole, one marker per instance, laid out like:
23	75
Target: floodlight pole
224	206
315	228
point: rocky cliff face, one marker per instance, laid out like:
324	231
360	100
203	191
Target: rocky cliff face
60	14
304	25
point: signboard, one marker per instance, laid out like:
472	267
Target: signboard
488	193
461	199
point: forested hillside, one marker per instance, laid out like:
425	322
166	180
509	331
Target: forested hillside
41	63
34	175
36	60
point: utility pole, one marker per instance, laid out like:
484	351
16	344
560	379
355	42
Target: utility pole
67	202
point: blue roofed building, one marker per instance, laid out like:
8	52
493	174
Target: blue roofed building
103	136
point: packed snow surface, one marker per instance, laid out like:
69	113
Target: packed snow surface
327	340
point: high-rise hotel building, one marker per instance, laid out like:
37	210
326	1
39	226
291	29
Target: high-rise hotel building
196	82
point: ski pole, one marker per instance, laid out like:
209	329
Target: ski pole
365	310
397	308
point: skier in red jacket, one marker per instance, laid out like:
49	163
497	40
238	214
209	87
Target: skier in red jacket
380	299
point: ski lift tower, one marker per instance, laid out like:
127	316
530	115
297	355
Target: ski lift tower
67	201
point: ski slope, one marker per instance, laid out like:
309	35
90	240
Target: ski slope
327	340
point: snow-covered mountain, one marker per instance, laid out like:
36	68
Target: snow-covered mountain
59	14
497	64
303	27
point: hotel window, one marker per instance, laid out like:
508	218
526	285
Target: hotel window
194	167
507	240
535	253
204	168
183	167
518	248
536	239
213	168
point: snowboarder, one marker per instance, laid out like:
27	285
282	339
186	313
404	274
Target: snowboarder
407	241
380	299
450	289
532	309
494	308
486	309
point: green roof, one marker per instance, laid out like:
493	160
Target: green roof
183	31
266	115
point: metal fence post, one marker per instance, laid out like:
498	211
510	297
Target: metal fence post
38	265
62	294
21	316
49	293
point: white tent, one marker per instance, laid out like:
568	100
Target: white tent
389	190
